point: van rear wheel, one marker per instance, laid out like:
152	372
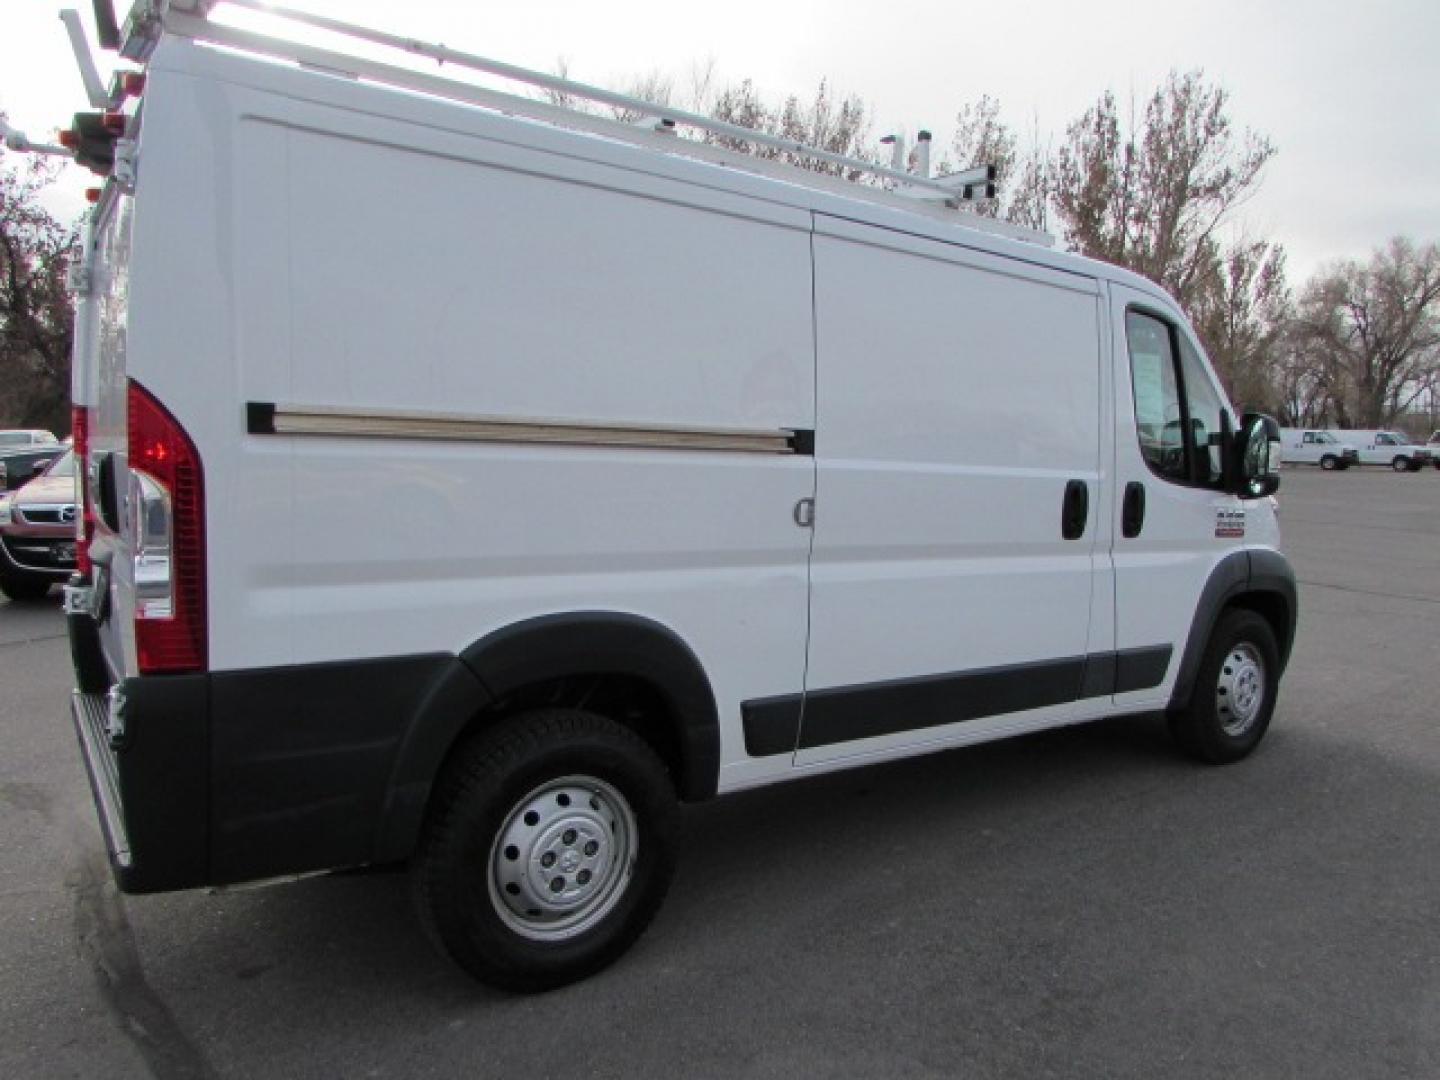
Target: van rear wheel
1234	693
1401	464
548	849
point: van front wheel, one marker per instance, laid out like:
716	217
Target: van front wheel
1234	692
548	849
1329	462
1401	464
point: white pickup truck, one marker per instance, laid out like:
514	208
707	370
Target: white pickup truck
1433	445
1310	446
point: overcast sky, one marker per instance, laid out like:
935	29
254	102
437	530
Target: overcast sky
1349	93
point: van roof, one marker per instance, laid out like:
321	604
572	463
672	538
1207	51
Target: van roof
426	99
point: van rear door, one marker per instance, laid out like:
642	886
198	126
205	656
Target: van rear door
99	367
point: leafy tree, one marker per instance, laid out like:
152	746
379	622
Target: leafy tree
1372	330
35	311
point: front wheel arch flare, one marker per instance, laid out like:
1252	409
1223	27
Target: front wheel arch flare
1256	578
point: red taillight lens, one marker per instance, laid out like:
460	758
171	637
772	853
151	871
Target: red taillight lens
169	637
85	519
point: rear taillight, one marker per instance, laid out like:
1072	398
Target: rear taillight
85	519
167	497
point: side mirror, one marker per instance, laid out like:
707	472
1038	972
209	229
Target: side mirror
1258	443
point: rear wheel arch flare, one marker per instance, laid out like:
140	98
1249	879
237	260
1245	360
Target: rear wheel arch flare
616	656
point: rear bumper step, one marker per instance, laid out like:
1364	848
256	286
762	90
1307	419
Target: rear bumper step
90	713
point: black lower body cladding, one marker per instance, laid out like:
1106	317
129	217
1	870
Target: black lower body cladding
237	776
248	774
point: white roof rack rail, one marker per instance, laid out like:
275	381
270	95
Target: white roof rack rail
190	18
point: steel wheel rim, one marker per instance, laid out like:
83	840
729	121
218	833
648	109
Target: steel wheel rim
1240	693
562	859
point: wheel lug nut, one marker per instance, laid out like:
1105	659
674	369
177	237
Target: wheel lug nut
569	837
547	860
591	848
557	884
583	878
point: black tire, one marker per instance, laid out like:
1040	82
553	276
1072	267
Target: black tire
25	589
1329	462
487	792
1221	733
1401	464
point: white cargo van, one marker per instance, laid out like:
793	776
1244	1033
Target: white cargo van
468	482
1393	449
1311	446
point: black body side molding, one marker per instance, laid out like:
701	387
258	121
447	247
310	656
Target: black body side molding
782	725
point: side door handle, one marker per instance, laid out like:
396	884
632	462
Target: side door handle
1075	510
1132	511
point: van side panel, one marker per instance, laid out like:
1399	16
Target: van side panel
355	261
959	395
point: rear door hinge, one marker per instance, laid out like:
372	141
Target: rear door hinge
80	278
123	170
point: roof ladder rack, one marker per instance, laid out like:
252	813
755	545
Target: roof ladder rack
190	18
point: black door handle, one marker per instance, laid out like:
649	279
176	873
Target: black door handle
1075	510
1132	512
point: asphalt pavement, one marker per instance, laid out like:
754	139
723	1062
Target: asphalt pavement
1082	903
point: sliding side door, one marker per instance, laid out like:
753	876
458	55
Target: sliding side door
958	495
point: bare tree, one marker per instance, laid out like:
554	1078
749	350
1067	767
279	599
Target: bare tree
36	316
1300	396
655	87
1153	195
1241	309
1373	330
1027	195
841	126
983	138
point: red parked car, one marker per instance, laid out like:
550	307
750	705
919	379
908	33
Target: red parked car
37	532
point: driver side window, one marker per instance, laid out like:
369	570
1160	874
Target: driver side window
1205	409
1157	395
1177	410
